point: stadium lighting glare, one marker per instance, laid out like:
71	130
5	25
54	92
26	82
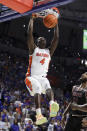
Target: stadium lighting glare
82	61
85	62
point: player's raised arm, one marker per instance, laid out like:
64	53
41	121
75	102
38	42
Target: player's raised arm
55	40
31	44
79	107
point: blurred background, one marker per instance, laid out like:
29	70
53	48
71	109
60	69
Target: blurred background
17	109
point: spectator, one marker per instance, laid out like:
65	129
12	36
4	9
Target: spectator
15	126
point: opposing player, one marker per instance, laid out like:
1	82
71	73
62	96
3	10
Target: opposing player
77	108
36	81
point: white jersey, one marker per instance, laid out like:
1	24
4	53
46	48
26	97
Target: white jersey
39	62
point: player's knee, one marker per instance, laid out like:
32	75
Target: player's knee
48	91
37	94
50	94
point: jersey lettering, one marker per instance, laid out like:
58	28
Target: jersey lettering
42	61
42	54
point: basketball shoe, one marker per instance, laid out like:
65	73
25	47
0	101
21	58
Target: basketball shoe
40	119
54	108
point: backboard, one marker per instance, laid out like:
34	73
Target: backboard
38	5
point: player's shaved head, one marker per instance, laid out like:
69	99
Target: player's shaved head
83	77
41	42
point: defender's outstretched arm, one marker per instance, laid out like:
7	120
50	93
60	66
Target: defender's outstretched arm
79	107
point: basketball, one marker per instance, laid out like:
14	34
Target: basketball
51	19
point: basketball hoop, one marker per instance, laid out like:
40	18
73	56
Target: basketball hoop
42	5
44	13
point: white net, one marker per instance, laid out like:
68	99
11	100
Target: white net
44	13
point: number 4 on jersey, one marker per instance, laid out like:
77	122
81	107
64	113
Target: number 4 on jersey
42	61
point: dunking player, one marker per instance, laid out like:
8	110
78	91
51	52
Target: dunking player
36	81
77	108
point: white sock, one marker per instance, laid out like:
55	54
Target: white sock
51	102
38	111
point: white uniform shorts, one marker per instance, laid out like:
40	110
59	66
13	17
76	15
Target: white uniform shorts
37	85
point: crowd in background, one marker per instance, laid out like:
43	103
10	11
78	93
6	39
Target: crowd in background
17	109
